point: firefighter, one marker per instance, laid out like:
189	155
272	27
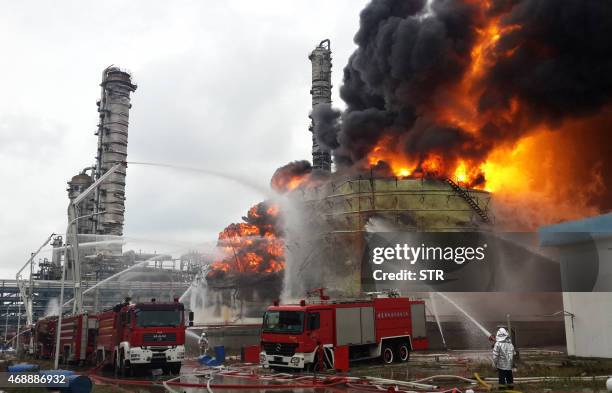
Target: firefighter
203	342
503	357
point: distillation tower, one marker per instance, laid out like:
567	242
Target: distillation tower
320	59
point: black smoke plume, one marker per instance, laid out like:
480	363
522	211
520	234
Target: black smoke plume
325	120
554	57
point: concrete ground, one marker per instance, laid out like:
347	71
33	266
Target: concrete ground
549	362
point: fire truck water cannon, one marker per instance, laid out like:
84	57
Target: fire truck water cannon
328	333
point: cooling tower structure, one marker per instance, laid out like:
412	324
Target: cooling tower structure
333	218
320	58
114	109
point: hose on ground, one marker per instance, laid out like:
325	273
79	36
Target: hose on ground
208	385
412	384
482	382
552	379
446	377
289	381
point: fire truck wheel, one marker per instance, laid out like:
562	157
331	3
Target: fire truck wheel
175	369
121	366
134	370
403	353
64	358
115	364
387	354
124	370
130	370
319	367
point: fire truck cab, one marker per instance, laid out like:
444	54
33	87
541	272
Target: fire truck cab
307	335
142	335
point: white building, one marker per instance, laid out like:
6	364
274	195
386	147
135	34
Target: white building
585	254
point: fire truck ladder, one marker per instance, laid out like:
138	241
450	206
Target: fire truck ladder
465	195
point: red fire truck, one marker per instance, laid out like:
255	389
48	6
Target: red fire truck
77	338
307	335
44	337
128	336
142	335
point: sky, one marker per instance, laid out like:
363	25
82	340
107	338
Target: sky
221	86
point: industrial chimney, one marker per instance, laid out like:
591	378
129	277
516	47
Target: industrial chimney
113	107
321	94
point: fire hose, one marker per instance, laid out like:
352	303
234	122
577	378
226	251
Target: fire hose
287	381
552	379
328	382
290	381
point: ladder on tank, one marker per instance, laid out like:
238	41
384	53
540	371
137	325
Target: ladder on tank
464	194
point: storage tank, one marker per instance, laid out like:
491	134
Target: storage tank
328	223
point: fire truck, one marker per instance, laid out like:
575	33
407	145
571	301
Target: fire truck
44	337
77	336
308	335
128	336
142	335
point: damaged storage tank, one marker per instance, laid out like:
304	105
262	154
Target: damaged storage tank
333	218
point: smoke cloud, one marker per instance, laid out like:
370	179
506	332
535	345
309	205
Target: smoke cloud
447	83
325	119
290	176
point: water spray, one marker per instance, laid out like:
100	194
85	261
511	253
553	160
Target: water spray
482	328
227	176
110	278
437	317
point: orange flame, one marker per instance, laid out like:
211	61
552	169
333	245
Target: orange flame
459	109
287	182
253	246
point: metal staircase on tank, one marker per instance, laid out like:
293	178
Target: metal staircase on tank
464	194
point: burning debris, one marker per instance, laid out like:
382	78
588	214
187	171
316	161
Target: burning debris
512	97
253	251
252	246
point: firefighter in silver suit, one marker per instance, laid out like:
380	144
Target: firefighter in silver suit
203	343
